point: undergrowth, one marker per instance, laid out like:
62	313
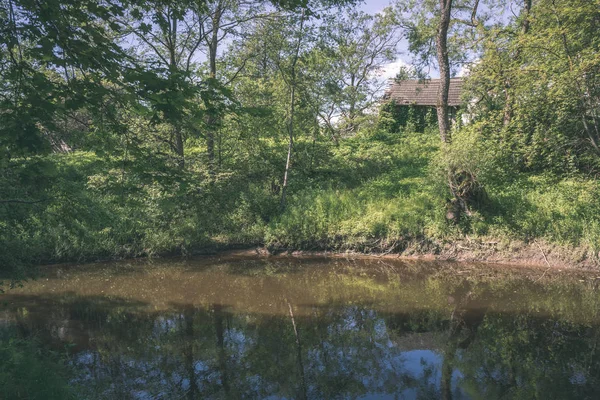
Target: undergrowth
375	193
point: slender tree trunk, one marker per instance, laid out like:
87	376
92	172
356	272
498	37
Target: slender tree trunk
16	58
177	132
444	66
351	118
508	101
212	119
352	108
288	164
220	152
179	147
210	145
507	104
526	11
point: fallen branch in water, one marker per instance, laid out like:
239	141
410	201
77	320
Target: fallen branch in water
544	254
545	259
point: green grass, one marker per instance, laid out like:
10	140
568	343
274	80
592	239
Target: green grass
562	211
368	194
384	194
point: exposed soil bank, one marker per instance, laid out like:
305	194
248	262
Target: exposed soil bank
516	253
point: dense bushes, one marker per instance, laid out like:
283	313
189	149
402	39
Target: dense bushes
112	150
378	192
536	89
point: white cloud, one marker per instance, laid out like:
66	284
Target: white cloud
466	68
463	71
390	70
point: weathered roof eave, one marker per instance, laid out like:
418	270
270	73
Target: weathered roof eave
423	92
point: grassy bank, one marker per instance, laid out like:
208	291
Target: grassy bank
377	193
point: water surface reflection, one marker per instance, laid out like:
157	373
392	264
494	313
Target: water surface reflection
315	328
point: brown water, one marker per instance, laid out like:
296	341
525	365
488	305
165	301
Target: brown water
315	328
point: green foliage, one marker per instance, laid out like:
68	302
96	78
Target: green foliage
382	197
562	211
395	118
30	372
537	88
114	150
420	19
57	57
377	191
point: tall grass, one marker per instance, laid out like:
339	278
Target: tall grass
373	192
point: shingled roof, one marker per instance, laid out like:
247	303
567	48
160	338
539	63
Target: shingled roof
423	92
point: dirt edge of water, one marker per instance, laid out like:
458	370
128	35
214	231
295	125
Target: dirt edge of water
533	254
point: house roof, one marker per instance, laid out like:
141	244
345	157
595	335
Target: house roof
423	92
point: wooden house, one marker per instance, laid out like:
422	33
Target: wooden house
415	100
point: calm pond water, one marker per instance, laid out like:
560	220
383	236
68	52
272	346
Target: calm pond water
315	328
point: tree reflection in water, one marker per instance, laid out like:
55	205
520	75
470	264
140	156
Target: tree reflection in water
315	328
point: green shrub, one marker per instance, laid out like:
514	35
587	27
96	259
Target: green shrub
377	190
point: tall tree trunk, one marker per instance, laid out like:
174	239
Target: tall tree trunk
172	46
507	103
508	100
292	84
212	120
444	66
352	109
526	11
288	162
179	146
